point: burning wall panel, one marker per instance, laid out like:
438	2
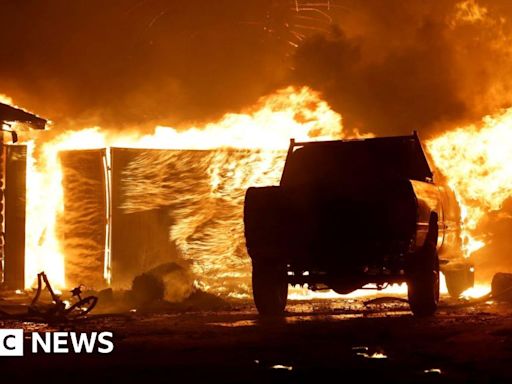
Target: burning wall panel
182	206
140	216
15	203
83	222
202	193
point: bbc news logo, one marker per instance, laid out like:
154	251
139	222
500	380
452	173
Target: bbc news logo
11	342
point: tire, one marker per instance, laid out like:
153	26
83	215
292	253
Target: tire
423	279
458	280
269	289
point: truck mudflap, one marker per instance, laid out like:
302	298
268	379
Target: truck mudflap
268	224
263	212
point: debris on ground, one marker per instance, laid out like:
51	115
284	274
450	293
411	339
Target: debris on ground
55	311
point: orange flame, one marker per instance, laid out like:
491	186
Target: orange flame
6	99
477	164
265	129
473	160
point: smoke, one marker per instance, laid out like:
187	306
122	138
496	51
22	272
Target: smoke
393	67
387	67
135	62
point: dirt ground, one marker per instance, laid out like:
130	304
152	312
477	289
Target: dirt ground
320	340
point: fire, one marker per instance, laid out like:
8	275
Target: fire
477	162
248	149
261	134
6	99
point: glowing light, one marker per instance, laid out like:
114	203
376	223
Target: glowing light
476	292
477	162
283	367
302	293
248	149
261	135
4	99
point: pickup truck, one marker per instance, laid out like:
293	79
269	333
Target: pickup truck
349	214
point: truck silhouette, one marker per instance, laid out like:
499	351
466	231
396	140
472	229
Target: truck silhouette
349	213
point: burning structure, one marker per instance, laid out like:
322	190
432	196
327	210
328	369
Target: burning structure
121	199
126	203
13	195
164	113
117	205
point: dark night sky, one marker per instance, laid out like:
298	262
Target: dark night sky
386	66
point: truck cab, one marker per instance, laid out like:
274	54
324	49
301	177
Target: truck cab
348	213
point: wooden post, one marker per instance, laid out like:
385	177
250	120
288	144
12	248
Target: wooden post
15	211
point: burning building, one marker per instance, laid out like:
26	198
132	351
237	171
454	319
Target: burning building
118	205
104	204
13	195
105	207
164	113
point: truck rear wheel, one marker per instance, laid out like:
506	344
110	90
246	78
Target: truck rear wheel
269	288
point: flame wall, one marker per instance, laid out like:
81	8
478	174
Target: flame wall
167	206
192	184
